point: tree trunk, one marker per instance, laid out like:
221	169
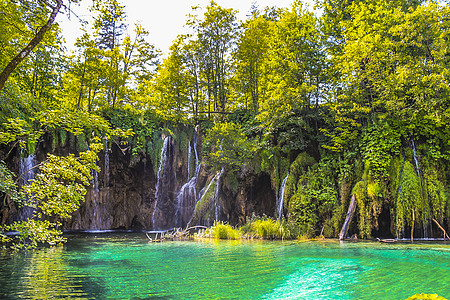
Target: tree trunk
81	86
28	48
348	218
445	233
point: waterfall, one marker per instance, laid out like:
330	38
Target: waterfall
187	196
212	203
189	161
217	210
280	200
160	182
94	173
95	222
27	175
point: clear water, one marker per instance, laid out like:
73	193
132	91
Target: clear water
126	266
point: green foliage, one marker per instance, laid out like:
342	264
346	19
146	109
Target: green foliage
267	228
227	147
251	54
59	188
296	170
139	125
312	205
75	122
437	197
56	192
409	199
364	203
20	131
378	144
8	186
32	233
275	163
356	83
221	231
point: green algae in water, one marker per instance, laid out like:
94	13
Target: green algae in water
126	266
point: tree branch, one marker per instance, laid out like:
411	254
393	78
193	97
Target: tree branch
27	50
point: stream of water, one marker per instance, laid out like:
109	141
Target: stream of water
126	266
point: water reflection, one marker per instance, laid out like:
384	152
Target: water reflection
46	276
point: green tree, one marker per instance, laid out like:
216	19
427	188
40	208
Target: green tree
394	65
295	79
171	97
216	34
227	147
250	56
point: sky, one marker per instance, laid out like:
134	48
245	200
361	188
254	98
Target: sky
164	19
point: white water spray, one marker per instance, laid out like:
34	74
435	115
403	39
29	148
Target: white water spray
280	200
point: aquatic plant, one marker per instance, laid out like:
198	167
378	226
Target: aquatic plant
221	231
268	229
426	297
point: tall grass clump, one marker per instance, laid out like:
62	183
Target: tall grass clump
221	231
267	228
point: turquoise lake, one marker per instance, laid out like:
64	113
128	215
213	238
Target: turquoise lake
127	266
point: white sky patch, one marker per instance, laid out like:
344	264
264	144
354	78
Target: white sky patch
164	19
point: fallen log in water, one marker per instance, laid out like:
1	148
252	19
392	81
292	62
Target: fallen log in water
174	234
445	232
348	218
387	241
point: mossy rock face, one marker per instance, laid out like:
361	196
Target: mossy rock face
297	169
204	213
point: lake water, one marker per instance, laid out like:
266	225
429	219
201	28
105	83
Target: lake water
126	266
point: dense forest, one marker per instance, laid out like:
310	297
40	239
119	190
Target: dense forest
352	98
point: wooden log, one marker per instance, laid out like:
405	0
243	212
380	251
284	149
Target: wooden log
196	227
348	218
445	232
387	241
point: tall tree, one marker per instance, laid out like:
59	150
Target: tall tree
109	26
171	85
216	34
296	77
250	56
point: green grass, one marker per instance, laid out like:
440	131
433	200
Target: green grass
268	229
221	231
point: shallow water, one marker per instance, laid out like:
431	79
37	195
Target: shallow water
126	266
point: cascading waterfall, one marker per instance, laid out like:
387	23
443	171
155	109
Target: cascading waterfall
27	174
94	223
196	219
94	181
163	164
217	208
189	160
187	197
280	200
